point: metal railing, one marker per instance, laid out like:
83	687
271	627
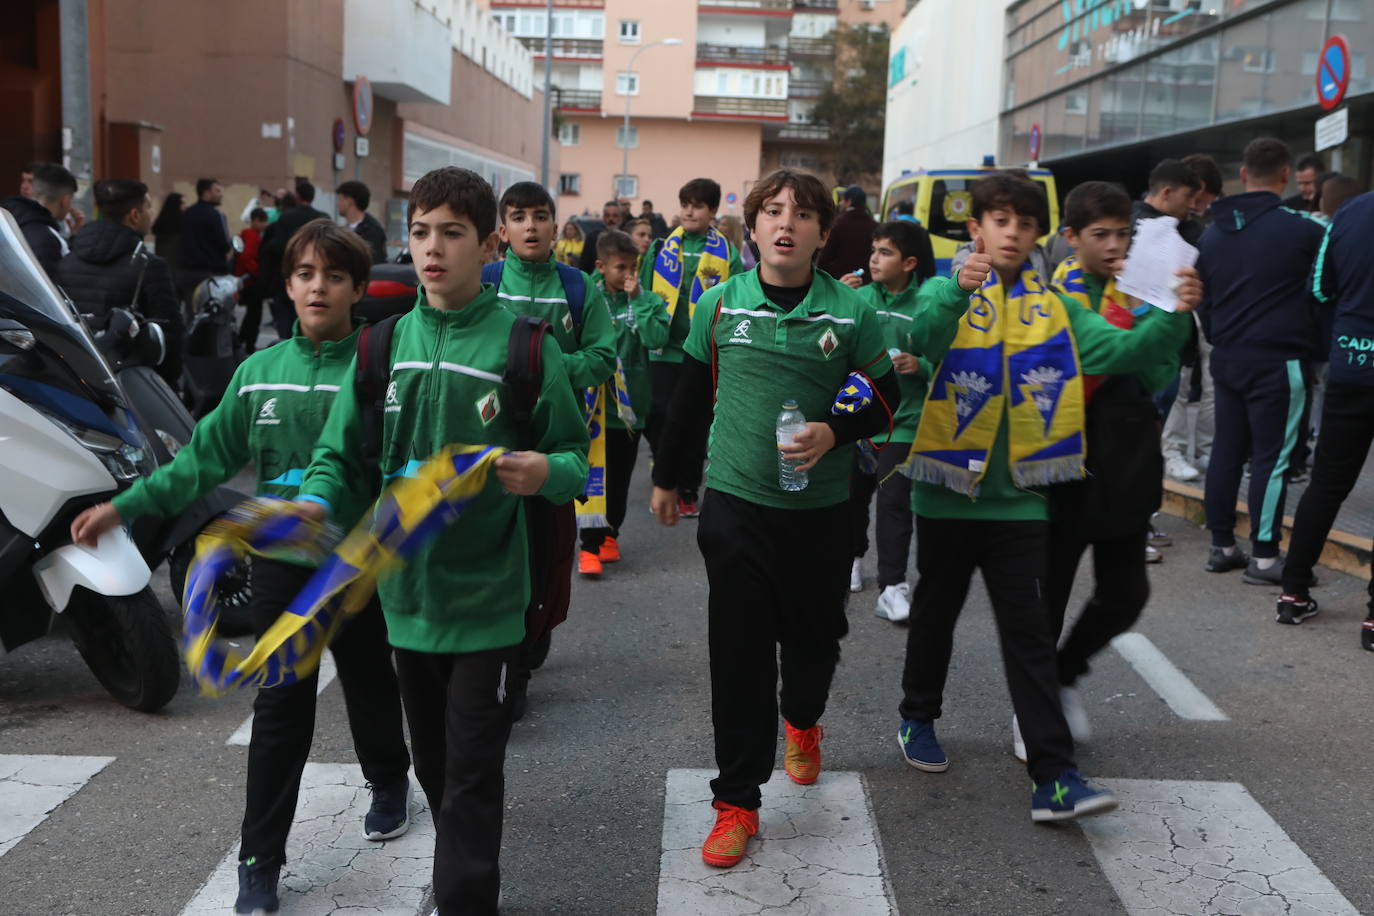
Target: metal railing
804	5
810	132
806	89
733	106
732	54
811	47
497	5
746	6
584	48
577	99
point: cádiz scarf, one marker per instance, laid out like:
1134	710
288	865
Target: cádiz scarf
1014	355
408	513
713	268
1113	305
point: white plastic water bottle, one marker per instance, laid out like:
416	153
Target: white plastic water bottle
790	423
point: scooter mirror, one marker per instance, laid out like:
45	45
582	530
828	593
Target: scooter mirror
153	332
16	334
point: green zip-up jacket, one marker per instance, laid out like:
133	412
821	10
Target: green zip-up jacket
641	325
534	289
693	243
1103	349
468	588
896	313
271	414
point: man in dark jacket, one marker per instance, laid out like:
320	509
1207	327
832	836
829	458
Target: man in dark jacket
1173	186
658	227
612	217
851	237
105	267
1309	172
273	249
1257	312
353	198
40	218
205	244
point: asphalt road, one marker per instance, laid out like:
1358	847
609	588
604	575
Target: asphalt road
624	698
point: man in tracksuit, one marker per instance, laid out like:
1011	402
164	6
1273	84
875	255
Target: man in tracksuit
1257	313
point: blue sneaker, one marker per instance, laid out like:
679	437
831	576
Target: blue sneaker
919	746
389	815
1069	797
257	887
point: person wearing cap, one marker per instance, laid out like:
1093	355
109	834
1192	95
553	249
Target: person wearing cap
851	238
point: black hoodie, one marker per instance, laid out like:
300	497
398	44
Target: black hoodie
1254	261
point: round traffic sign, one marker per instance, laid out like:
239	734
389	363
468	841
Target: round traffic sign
1333	72
731	197
362	105
340	135
1035	141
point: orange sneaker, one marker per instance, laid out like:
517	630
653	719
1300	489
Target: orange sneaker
610	551
588	564
802	760
724	848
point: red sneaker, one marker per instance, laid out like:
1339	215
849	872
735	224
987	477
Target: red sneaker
724	848
610	551
589	564
686	509
802	759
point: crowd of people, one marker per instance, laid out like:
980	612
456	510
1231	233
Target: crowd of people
1006	417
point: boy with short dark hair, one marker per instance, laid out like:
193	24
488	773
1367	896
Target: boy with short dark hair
776	559
641	325
1004	419
680	269
271	414
456	610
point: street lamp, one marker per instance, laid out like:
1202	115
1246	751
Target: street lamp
625	132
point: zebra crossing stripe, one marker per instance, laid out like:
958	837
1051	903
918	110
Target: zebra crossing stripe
33	785
1172	685
328	672
330	867
817	851
1204	848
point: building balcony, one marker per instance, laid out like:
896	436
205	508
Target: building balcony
747	7
811	47
742	57
404	50
734	107
577	100
565	48
817	6
803	133
557	4
806	89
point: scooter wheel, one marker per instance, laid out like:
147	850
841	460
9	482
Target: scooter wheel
128	645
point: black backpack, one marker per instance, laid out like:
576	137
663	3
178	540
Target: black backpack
551	529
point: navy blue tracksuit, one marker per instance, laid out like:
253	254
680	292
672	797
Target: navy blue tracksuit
1258	313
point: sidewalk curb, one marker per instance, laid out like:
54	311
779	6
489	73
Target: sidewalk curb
1344	552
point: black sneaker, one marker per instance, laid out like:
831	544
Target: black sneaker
1219	561
257	887
389	816
1253	575
1293	609
1367	635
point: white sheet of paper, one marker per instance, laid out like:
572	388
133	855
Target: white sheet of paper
1157	251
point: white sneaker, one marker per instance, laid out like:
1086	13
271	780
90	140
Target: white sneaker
856	576
894	603
1152	555
1179	469
1075	713
1018	746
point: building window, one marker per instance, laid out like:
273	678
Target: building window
569	134
808	161
627	84
1257	60
629	31
627	186
570	183
621	141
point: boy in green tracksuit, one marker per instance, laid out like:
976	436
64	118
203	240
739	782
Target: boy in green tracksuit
679	269
272	412
776	559
641	324
1003	420
456	611
901	260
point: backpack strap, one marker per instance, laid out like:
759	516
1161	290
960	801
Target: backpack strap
715	350
524	375
575	291
491	273
371	378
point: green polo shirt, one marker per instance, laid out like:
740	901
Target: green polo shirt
896	313
766	356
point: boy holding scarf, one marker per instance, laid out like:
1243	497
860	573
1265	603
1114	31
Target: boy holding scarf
1004	418
679	269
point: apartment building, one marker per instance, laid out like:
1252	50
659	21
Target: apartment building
718	88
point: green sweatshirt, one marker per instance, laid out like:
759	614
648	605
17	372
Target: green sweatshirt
693	244
640	325
1158	376
535	289
1103	349
468	588
896	313
271	414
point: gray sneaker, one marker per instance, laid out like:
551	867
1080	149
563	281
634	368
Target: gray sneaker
1253	575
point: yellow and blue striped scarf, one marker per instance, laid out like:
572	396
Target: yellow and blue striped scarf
713	268
1014	355
408	513
591	509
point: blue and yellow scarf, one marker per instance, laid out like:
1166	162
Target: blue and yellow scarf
713	268
1014	355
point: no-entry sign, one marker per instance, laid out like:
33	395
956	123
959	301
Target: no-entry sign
1333	72
1035	137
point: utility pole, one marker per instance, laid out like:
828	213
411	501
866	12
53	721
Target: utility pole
548	92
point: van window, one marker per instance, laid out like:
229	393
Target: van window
950	208
906	192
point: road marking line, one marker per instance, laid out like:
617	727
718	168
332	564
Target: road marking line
33	785
329	866
1172	685
817	851
328	672
1202	848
